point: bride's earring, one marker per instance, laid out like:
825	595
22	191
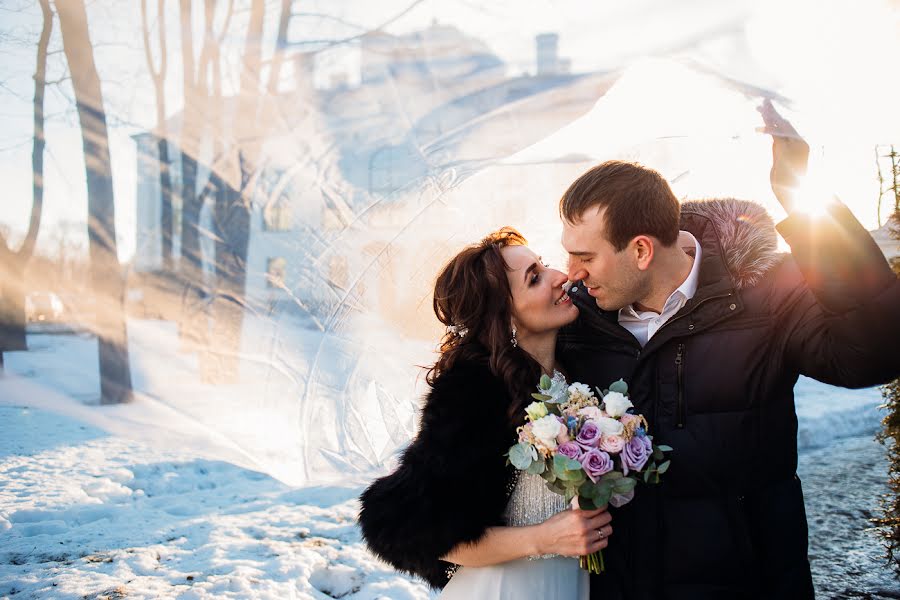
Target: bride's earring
514	341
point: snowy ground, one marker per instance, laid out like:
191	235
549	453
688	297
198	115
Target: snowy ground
84	514
99	502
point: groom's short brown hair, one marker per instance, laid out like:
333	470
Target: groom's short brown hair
637	201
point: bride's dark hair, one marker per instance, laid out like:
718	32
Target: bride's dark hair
472	296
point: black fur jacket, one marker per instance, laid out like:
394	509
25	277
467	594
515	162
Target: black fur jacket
452	482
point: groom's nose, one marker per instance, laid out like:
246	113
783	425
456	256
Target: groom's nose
576	272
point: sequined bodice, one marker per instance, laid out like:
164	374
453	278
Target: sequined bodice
531	502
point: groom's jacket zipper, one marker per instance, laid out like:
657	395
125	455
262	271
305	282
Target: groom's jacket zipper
679	367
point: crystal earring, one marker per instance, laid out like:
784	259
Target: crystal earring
514	341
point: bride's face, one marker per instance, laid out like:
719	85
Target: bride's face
540	304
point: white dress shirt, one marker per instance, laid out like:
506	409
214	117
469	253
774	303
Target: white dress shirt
643	324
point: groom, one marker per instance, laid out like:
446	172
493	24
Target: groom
692	305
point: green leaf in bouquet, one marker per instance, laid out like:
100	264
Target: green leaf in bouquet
657	454
588	489
664	467
541	397
536	468
603	488
624	485
619	386
564	463
665	448
611	476
647	476
557	487
604	493
549	475
546	383
521	456
586	503
570	476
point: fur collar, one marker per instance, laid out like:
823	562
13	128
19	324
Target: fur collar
746	234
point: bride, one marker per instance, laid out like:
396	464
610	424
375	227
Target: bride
454	513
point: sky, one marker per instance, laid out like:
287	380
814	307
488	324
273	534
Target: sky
830	58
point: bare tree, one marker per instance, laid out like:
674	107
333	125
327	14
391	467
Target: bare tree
107	279
158	75
199	107
13	263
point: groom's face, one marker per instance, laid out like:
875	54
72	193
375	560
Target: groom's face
611	277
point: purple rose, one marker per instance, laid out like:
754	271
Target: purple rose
571	450
589	436
636	453
596	463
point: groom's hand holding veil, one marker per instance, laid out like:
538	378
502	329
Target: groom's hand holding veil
790	156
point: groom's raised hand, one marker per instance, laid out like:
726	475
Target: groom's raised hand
790	156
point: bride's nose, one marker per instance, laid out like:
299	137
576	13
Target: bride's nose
559	278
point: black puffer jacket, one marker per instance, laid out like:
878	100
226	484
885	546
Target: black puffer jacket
716	383
452	482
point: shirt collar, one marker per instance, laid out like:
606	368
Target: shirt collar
689	287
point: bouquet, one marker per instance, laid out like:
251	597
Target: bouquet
588	447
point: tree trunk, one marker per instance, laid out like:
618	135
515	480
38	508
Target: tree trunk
106	274
158	75
193	319
233	208
13	319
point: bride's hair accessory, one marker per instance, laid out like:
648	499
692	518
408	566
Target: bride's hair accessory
457	330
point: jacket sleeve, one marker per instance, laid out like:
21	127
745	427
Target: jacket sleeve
841	319
450	485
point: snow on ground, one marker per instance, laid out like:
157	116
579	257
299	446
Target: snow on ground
85	514
144	501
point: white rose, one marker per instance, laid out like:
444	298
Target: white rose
616	404
609	426
580	389
546	429
590	412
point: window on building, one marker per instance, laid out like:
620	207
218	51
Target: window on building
278	215
275	271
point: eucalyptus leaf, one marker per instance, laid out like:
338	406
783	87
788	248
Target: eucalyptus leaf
612	475
657	454
619	386
546	383
647	476
521	456
562	464
602	497
569	476
604	488
665	448
556	487
664	467
624	485
588	489
536	468
586	503
541	397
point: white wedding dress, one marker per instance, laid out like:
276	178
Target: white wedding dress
550	577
